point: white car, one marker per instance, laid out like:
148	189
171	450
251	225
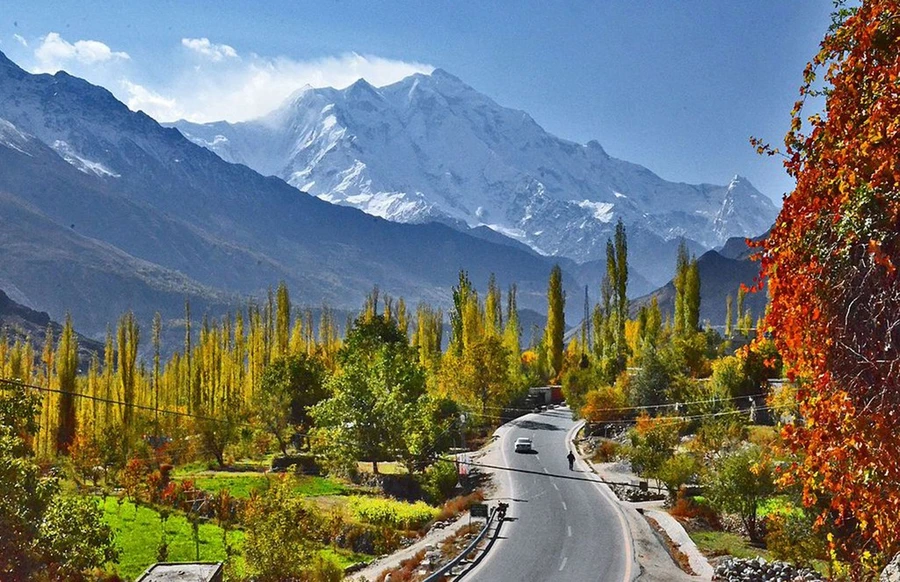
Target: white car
523	445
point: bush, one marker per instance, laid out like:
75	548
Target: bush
606	452
281	535
74	537
676	471
323	569
791	537
390	513
696	508
457	505
304	464
439	481
741	481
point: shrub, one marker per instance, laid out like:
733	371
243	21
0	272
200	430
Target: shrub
740	483
791	537
390	513
676	471
281	534
457	505
74	537
323	569
696	508
439	481
606	452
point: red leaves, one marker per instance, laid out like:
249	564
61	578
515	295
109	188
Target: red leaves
831	262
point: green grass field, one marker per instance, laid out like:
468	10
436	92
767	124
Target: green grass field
139	533
242	484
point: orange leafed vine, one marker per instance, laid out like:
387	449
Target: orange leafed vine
831	265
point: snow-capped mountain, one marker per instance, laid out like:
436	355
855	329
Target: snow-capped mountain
102	211
432	148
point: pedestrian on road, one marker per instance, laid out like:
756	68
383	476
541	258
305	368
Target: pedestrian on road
571	457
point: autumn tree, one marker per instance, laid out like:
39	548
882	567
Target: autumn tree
831	261
556	321
461	296
66	372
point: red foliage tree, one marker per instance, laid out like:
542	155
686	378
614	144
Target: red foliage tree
831	262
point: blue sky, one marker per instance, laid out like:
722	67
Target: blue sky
678	86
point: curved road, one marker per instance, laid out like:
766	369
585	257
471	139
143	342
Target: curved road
561	525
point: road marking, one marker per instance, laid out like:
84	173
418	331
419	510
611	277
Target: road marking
610	497
555	487
563	565
546	471
564	506
569	530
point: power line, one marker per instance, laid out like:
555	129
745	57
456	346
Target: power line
643	407
119	402
673	419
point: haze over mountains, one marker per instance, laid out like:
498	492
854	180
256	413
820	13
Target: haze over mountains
103	210
432	148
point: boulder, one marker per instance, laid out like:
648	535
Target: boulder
892	572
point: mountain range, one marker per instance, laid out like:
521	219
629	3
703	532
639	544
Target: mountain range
430	147
104	210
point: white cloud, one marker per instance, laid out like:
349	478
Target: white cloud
238	90
215	52
226	86
140	98
21	40
55	53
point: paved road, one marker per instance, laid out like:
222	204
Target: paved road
560	524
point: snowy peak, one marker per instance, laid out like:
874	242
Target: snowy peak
430	147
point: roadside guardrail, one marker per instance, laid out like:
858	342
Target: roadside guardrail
499	512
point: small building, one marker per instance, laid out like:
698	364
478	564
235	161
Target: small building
545	395
183	572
